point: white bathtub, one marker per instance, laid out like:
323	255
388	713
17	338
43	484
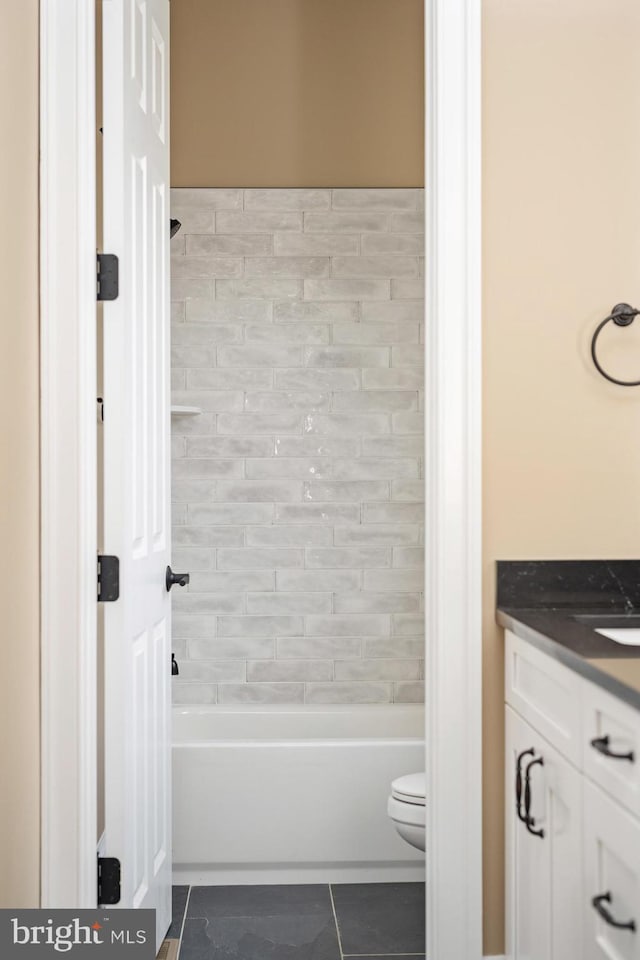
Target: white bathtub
283	794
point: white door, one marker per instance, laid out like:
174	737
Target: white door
136	450
544	869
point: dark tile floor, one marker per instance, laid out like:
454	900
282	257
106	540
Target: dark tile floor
370	921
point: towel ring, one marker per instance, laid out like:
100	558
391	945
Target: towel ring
622	315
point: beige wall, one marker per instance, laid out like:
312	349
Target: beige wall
561	246
297	93
19	557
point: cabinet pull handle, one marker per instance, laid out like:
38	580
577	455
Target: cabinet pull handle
525	753
529	821
601	744
597	904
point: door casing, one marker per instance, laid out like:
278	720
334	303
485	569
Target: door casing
68	453
453	455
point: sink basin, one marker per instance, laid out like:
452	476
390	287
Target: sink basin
626	635
622	628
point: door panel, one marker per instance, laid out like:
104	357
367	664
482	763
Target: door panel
528	919
544	873
545	693
612	855
136	451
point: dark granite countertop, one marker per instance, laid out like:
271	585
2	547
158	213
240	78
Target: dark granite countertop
558	605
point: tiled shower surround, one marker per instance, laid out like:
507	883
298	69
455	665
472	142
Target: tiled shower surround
298	491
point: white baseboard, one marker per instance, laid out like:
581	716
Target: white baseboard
492	957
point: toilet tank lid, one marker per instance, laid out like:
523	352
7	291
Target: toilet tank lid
411	788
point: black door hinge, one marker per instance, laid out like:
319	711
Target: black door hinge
108	880
108	276
108	579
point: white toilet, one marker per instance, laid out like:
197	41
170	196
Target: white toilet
406	808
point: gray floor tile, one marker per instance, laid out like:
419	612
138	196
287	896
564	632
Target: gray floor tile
283	937
178	903
260	901
380	918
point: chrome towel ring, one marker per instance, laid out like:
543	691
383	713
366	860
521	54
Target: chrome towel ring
622	315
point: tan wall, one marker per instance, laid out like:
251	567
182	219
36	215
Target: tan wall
297	93
19	496
561	246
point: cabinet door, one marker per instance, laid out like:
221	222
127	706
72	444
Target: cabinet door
544	855
612	873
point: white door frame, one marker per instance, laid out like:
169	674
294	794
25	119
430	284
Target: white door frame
453	667
453	458
68	452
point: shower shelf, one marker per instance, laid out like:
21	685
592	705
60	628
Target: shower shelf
185	411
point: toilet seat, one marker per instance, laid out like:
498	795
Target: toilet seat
410	813
406	808
410	789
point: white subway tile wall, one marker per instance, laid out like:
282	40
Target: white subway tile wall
297	329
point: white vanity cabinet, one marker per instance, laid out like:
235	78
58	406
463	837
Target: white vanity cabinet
572	814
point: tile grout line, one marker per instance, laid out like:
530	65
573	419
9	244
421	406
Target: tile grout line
335	920
184	920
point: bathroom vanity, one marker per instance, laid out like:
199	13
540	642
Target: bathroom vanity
572	787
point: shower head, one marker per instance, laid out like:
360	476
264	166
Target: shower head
174	226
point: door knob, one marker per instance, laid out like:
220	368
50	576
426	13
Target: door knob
171	579
175	669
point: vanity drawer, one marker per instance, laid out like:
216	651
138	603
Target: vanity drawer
612	878
546	694
611	727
